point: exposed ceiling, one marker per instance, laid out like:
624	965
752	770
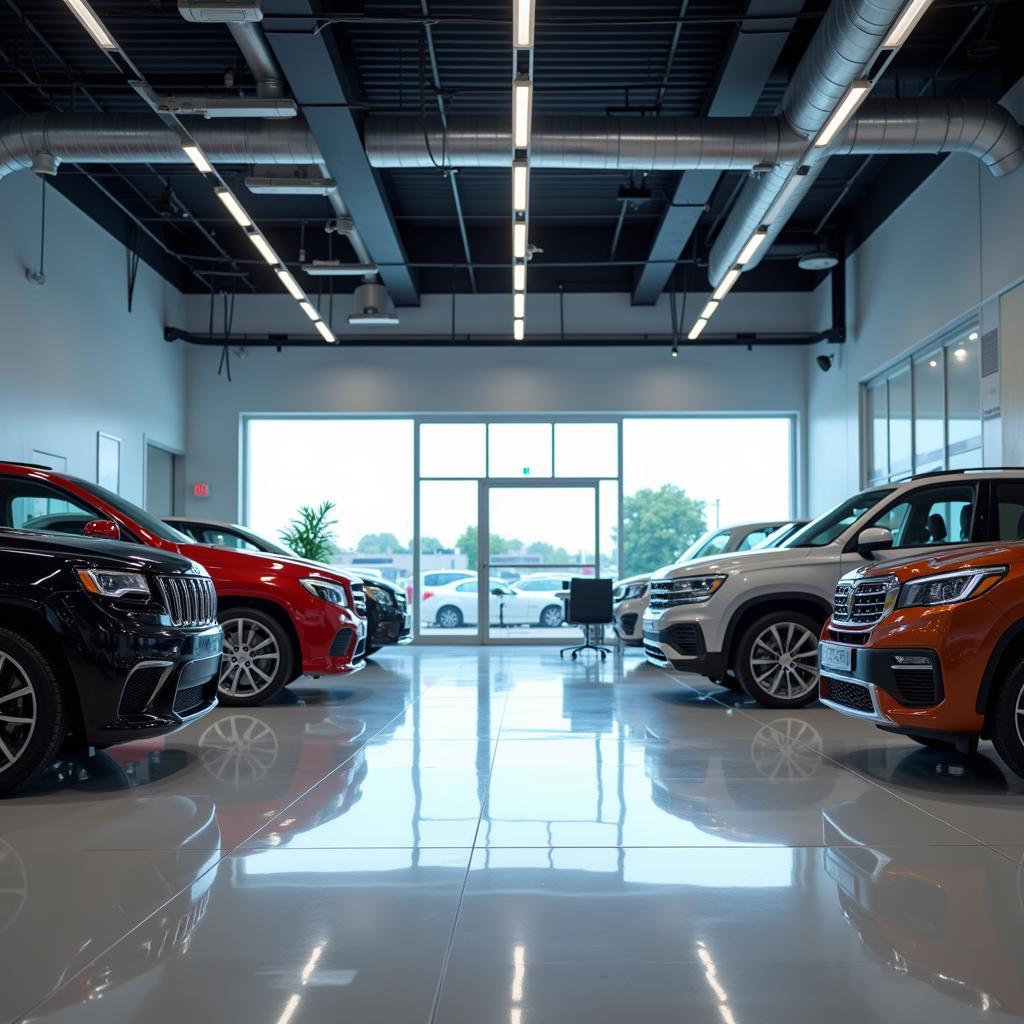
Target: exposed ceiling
595	57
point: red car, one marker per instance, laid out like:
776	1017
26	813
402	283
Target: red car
282	617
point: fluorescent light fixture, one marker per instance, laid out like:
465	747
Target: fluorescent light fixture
519	240
263	247
697	328
848	105
234	207
325	332
520	186
289	282
709	310
909	17
519	277
522	104
519	305
195	154
333	268
725	285
518	329
309	310
756	240
85	14
522	24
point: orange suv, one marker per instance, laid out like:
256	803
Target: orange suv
933	648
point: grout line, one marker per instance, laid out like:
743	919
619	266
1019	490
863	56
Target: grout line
446	959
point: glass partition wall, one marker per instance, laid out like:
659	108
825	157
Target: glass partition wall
484	521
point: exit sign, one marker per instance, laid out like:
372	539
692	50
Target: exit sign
201	490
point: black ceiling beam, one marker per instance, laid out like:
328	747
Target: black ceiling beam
323	87
747	69
463	340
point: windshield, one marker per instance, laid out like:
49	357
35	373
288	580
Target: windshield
776	538
823	530
148	522
711	543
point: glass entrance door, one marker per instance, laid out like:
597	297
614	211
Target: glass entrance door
535	535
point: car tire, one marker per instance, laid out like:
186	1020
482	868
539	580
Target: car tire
790	639
371	651
552	617
255	645
1006	721
448	617
28	747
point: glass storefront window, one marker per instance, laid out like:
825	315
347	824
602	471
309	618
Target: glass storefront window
587	449
519	449
453	449
925	414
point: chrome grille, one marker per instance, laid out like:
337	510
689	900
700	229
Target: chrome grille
189	600
863	603
358	597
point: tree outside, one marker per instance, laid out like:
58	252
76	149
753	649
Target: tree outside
380	544
657	526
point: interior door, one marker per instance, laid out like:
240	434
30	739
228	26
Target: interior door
535	536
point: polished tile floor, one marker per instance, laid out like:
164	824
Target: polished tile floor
475	836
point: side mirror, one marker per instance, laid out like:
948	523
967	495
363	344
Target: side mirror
497	592
873	539
107	529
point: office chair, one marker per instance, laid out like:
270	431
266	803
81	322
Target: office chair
590	604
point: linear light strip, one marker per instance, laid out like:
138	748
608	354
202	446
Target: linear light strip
846	108
522	110
909	17
695	330
234	207
195	154
522	24
92	24
725	285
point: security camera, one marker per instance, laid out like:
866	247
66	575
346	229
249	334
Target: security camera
824	363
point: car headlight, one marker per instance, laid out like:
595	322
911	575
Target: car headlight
378	594
950	587
332	593
693	589
630	592
113	584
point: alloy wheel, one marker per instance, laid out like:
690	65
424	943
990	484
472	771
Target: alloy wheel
784	660
251	658
1018	717
18	711
449	618
787	748
551	617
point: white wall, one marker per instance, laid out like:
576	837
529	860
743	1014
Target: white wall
499	380
73	361
949	251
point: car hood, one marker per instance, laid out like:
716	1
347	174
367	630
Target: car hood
111	554
644	578
948	560
746	562
228	559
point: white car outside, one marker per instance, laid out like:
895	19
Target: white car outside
753	619
453	605
630	595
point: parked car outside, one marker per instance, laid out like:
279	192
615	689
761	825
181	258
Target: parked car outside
631	594
455	604
387	614
438	578
933	648
101	642
756	617
282	617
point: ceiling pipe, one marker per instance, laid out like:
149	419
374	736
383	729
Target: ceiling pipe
980	127
847	39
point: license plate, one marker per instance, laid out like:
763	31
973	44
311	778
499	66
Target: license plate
835	657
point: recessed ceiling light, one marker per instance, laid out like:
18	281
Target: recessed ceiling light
973	336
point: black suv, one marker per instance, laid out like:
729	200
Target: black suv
101	642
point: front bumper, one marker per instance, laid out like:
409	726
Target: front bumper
134	675
629	621
387	624
885	685
333	639
682	646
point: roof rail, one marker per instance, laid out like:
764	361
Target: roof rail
966	469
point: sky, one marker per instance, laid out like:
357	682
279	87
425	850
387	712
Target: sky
365	466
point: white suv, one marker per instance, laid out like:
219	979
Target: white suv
630	595
752	619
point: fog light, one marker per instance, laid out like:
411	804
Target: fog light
911	659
